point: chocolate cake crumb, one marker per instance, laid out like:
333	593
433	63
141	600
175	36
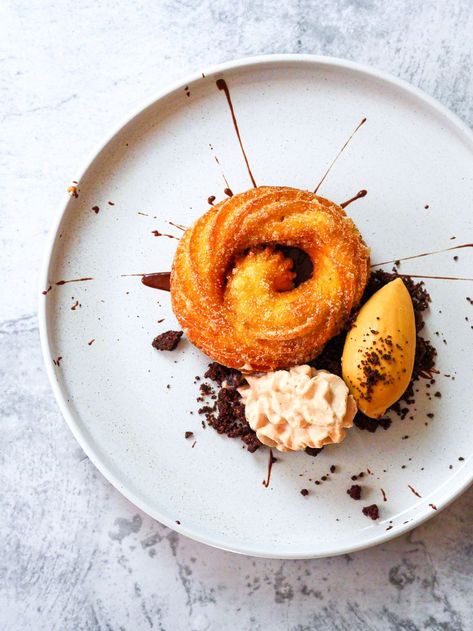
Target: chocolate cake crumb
313	451
227	415
205	389
304	492
355	492
189	434
167	341
371	511
220	374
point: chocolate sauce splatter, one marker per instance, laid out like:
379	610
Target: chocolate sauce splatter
75	305
179	226
222	85
211	200
362	122
57	361
383	492
228	192
91	342
271	460
359	195
158	280
418	256
74	280
46	291
414	491
96	209
111	203
73	191
436	277
219	166
156	233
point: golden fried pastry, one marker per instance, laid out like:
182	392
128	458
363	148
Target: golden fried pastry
233	290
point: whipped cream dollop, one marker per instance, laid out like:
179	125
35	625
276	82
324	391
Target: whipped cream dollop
298	408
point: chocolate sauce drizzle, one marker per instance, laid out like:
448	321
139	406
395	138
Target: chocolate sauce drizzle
73	280
418	256
162	234
271	461
178	226
222	85
362	122
436	277
359	195
220	167
228	192
158	280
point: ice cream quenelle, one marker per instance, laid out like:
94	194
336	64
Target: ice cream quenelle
298	408
378	357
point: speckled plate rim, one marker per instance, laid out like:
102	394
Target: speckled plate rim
446	495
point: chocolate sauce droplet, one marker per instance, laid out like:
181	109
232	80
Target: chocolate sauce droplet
359	195
158	280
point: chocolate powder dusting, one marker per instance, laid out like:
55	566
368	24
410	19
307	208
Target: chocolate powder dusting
425	357
167	341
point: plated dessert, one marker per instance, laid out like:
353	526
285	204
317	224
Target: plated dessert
275	286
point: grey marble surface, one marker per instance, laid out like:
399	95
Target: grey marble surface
73	553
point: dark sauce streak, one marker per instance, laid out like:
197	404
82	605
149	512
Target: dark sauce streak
220	167
162	234
362	122
178	226
359	195
211	200
75	305
57	361
435	277
46	291
222	85
96	209
158	280
271	461
228	191
418	256
414	491
91	342
385	499
74	280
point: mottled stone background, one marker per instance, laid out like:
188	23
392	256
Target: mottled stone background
74	554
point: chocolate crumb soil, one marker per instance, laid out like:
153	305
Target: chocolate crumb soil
371	511
167	341
227	413
354	492
425	357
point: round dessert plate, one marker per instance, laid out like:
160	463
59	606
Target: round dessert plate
129	405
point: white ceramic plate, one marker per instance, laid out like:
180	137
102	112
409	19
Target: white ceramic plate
294	112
